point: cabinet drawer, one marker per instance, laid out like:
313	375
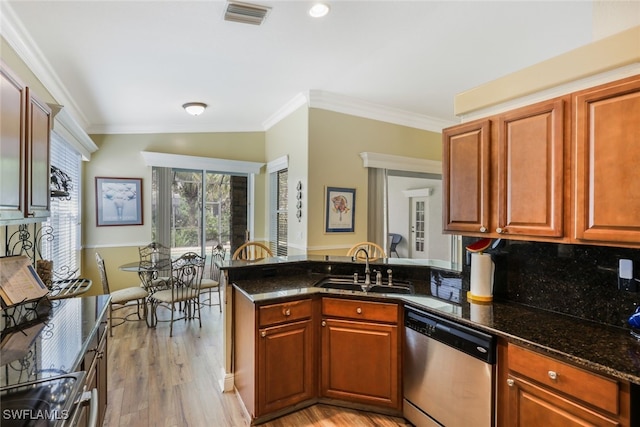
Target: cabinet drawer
360	310
591	388
284	312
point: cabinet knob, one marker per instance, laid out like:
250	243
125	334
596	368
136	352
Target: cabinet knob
286	312
359	310
483	229
553	375
31	214
263	334
500	230
324	323
510	382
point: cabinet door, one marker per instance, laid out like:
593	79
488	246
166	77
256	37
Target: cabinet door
12	146
466	162
532	405
285	366
530	170
360	362
38	170
607	188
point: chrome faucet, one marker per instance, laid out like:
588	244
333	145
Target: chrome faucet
367	272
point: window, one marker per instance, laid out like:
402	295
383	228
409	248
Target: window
187	214
64	224
279	212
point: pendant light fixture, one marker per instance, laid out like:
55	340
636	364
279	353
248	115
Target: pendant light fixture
194	108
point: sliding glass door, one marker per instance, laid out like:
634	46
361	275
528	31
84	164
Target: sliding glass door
191	210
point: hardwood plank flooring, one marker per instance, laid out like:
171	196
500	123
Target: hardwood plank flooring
157	380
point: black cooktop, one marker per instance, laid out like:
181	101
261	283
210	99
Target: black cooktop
42	403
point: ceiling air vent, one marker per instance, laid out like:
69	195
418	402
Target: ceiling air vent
246	13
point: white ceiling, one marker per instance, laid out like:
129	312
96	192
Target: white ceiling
128	66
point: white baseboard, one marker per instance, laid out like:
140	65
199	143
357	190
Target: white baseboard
227	383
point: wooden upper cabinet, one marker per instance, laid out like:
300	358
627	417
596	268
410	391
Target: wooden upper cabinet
25	132
531	170
466	169
607	162
38	170
12	146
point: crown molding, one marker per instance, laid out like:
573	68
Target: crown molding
356	107
291	106
16	35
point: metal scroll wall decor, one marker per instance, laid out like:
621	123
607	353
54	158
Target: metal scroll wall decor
299	201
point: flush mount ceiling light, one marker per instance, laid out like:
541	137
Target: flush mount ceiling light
194	108
319	10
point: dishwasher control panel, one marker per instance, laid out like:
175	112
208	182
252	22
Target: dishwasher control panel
475	343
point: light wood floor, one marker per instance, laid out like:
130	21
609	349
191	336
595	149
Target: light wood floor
157	380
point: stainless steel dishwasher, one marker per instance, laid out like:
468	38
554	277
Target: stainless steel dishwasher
449	372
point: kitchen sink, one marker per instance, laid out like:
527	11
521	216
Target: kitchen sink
346	283
397	288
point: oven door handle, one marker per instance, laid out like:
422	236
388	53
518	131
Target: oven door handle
91	398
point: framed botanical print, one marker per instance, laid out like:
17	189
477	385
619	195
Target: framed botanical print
339	209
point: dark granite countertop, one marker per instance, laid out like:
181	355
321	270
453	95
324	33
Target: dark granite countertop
54	346
600	348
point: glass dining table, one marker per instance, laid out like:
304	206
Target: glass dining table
154	275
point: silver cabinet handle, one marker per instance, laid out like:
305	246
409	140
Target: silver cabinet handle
553	375
359	310
510	382
286	312
483	229
500	230
324	323
263	334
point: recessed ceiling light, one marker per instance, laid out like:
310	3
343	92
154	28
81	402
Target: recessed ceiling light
194	108
319	10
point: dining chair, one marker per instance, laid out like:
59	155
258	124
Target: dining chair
252	251
374	250
212	282
394	240
183	290
154	253
121	297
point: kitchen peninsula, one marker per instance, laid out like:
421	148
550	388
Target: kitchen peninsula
283	290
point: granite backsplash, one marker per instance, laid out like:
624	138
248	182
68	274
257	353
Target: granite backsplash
578	280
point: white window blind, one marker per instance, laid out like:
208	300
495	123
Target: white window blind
65	225
278	229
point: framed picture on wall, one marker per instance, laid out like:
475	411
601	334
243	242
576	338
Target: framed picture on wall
340	207
118	201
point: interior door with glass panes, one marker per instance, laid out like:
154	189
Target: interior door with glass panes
419	226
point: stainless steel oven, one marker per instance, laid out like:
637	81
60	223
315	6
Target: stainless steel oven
59	401
449	373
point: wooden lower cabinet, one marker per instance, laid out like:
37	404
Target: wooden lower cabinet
274	355
544	391
360	362
282	362
360	352
95	365
286	366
